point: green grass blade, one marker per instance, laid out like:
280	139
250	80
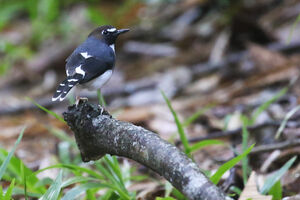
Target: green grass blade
78	190
9	156
178	194
8	193
277	176
286	118
24	180
265	105
204	143
164	198
226	121
118	186
20	191
91	194
195	116
276	191
62	135
228	165
236	190
46	110
293	28
1	192
77	179
74	168
54	189
15	171
114	168
180	129
101	98
245	136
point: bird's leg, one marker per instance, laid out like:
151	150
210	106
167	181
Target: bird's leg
80	100
101	101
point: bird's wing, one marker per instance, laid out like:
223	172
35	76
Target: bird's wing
92	55
86	67
94	67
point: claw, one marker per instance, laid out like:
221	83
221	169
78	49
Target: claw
101	109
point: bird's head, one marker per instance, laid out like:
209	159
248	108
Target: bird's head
107	33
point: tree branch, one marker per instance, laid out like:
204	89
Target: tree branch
98	134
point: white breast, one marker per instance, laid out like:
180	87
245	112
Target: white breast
98	82
112	46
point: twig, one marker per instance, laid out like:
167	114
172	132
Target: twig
275	146
98	134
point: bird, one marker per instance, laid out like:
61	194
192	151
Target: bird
91	64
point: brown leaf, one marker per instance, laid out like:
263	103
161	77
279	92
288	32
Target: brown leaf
250	190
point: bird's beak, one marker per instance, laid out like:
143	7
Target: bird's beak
122	31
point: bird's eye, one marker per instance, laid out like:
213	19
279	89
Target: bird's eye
104	32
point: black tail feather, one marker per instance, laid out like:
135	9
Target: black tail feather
63	88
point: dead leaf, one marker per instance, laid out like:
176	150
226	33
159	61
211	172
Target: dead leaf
250	191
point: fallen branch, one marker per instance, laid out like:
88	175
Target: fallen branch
276	146
98	134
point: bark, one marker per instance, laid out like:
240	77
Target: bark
97	134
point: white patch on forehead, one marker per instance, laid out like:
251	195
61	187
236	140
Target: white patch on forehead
111	30
85	55
112	46
78	70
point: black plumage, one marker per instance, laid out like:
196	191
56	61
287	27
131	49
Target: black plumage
91	63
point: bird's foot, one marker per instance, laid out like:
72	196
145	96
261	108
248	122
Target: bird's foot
101	109
80	100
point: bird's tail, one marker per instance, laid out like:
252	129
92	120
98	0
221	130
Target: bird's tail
63	88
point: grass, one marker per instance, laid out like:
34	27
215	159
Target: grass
274	178
215	178
9	156
293	28
46	110
284	122
182	135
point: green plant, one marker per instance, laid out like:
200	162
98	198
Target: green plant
293	28
248	121
46	110
215	178
274	178
8	194
266	105
180	128
286	118
9	156
245	137
54	189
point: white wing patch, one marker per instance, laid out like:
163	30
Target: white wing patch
54	99
72	80
111	30
85	55
78	70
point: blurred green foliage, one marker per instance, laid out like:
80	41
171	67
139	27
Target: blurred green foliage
50	20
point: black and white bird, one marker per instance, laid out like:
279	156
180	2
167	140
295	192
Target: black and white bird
91	63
